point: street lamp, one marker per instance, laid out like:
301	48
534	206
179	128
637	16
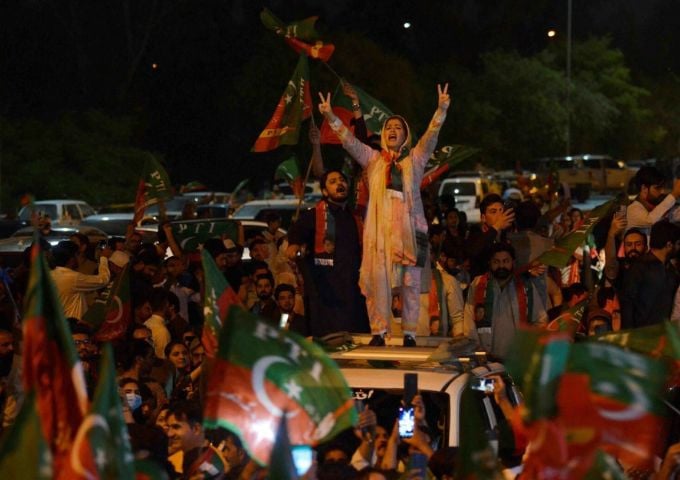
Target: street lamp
407	25
551	33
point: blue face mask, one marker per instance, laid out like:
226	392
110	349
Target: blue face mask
134	400
600	329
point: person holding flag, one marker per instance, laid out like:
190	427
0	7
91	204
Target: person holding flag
395	243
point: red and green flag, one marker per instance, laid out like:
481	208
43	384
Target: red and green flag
262	373
570	320
104	430
536	364
281	465
560	254
218	297
191	234
24	452
289	170
654	340
445	158
374	112
611	399
476	459
52	369
111	313
298	35
154	187
294	106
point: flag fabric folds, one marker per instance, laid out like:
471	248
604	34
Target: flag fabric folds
262	373
218	297
53	370
111	312
289	170
153	187
374	112
104	427
295	105
298	34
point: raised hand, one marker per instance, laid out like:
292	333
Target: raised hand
325	105
314	135
444	99
348	90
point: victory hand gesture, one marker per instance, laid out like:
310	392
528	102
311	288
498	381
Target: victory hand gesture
325	105
444	99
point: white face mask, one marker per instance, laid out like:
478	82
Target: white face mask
134	400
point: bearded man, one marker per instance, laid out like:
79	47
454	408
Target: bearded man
652	203
501	301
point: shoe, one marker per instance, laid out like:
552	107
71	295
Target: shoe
409	341
377	341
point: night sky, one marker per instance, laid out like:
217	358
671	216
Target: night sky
186	71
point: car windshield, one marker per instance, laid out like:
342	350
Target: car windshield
51	210
459	188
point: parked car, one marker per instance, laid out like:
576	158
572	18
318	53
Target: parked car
116	224
258	209
376	377
12	248
585	173
468	193
207	197
61	212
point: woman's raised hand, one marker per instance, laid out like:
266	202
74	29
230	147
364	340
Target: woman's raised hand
444	99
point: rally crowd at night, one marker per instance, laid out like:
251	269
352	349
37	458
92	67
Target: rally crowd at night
381	255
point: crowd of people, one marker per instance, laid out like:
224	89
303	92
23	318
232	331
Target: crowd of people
392	261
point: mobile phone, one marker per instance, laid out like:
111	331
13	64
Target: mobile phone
368	433
418	461
410	387
283	322
622	211
407	422
302	458
482	384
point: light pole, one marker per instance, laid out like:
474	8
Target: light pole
568	77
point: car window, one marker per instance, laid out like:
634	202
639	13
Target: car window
592	163
86	210
613	164
51	210
71	211
459	188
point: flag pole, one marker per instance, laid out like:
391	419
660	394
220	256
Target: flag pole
304	183
332	70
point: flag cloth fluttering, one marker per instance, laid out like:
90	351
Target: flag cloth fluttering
298	34
111	313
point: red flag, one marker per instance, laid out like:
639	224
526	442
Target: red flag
319	50
53	370
140	203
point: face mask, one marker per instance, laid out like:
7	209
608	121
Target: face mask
134	400
600	329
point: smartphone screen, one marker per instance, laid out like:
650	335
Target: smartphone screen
283	322
482	384
407	422
302	458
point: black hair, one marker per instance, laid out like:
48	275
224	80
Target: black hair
173	299
662	233
648	176
215	247
168	347
272	217
501	247
283	287
636	231
254	265
64	252
489	200
573	290
527	214
158	299
187	411
324	177
265	276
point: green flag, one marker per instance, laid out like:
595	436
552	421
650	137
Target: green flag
654	340
559	255
289	170
605	467
476	459
24	453
111	312
190	234
374	112
281	465
445	158
570	320
302	29
261	372
104	426
295	105
536	363
158	186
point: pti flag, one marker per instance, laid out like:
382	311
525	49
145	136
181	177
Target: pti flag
154	187
560	254
24	453
104	428
294	106
297	34
52	369
262	373
374	112
605	394
289	171
219	296
443	159
191	234
111	312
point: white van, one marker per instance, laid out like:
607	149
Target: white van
468	193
